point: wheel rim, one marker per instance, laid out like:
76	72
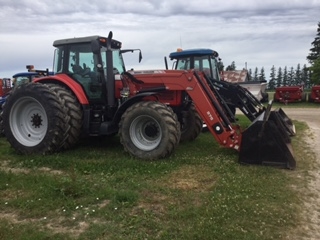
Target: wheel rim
145	133
28	121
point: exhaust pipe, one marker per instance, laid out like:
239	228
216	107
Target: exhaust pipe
266	142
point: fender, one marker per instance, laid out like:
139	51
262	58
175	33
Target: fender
67	81
130	102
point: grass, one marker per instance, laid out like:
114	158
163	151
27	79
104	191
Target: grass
96	191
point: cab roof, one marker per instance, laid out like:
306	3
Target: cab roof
193	52
27	74
68	41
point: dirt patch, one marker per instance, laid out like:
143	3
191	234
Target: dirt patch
310	227
197	178
55	225
5	166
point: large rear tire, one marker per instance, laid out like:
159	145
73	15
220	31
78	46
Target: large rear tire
35	120
149	130
191	124
74	112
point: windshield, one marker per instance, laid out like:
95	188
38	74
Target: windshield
215	68
207	64
21	80
87	68
118	63
81	58
183	63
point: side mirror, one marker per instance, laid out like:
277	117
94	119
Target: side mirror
166	62
140	56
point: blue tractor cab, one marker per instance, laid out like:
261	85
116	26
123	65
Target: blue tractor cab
25	77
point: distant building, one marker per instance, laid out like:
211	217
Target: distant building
243	78
235	76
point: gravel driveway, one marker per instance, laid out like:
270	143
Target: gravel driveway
310	228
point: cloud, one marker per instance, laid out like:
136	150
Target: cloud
259	33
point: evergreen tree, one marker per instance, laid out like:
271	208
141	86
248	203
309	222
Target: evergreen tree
297	79
231	67
291	77
285	77
250	74
315	49
255	76
262	75
272	80
279	78
315	72
305	76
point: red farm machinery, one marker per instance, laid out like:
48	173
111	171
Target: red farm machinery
92	94
5	88
314	95
289	94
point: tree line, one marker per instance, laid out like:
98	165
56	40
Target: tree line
302	76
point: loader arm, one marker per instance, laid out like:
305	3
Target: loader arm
240	97
213	113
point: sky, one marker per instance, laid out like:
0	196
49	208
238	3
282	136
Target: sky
252	33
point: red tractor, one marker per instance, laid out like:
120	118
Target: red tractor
92	94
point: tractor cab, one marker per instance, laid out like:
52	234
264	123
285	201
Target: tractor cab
94	62
29	76
205	60
77	58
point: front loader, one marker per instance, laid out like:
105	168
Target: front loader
92	94
233	94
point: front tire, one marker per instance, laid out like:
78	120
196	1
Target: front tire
191	124
35	120
149	130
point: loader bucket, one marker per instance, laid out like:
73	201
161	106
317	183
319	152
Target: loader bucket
264	142
283	122
286	121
